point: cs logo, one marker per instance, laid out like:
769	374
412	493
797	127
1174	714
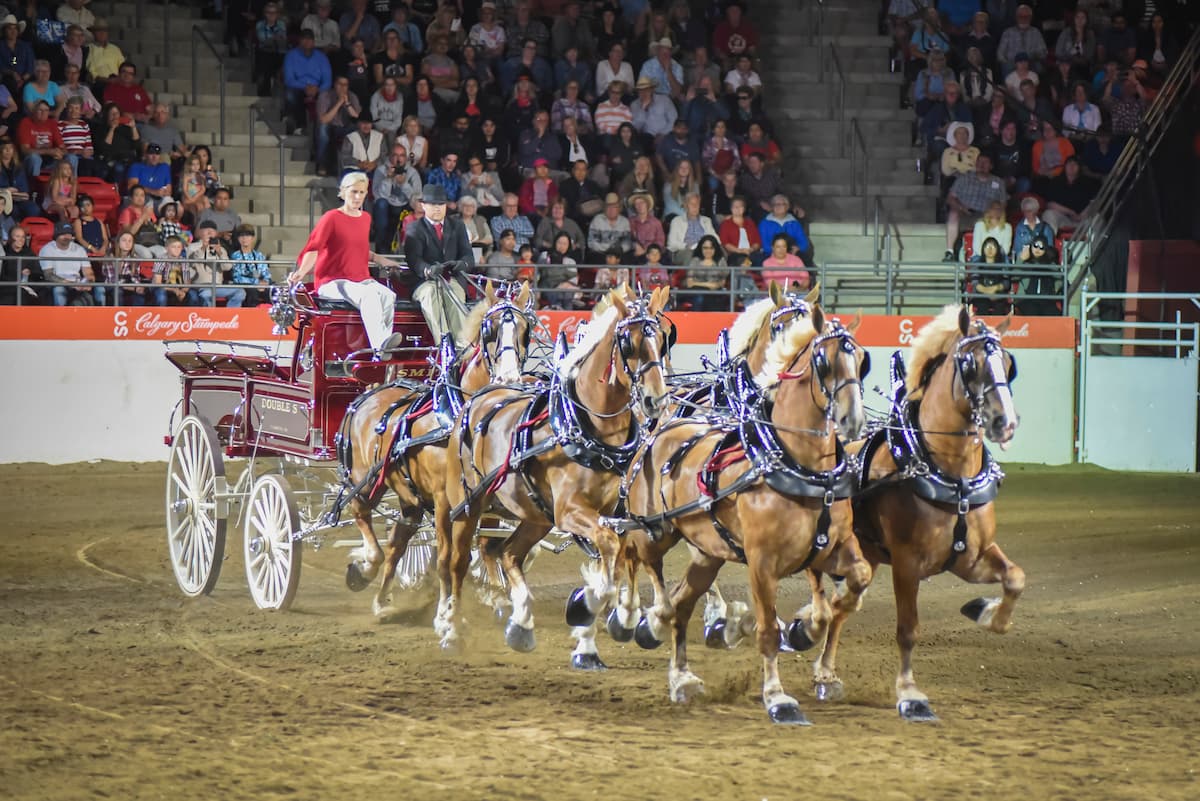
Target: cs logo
120	327
906	331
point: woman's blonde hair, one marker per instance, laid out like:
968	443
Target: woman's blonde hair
352	179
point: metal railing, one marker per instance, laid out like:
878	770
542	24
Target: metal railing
253	115
816	27
1090	236
841	99
857	145
199	34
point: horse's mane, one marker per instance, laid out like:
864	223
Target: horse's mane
473	322
785	349
746	327
931	343
595	331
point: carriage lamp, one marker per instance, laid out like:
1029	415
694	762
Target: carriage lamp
282	312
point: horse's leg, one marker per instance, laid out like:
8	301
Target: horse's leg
365	561
726	623
444	530
857	572
518	634
764	587
701	572
598	593
911	703
624	616
994	614
492	592
462	535
398	540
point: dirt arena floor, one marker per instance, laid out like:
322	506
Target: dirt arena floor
113	685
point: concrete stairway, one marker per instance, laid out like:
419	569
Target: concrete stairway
144	40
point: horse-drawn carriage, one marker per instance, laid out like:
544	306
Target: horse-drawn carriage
281	411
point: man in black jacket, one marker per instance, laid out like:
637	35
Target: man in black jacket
433	247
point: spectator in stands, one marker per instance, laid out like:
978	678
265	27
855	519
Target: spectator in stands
980	38
128	94
612	274
1049	154
24	270
77	138
492	147
611	30
445	174
717	203
481	184
159	130
474	104
90	231
538	191
571	30
759	184
706	270
992	287
969	197
1011	159
358	22
9	113
409	33
441	70
415	145
16	55
928	38
40	140
1021	72
644	227
117	146
739	235
677	147
223	218
169	270
557	222
1032	110
1119	42
744	113
65	261
387	108
653	274
152	175
612	113
584	197
664	72
782	220
1030	227
539	142
697	67
363	147
327	34
306	73
576	147
138	214
443	25
995	226
1022	37
62	194
337	110
558	273
104	59
1068	195
40	89
720	155
426	105
653	114
210	263
524	28
1046	282
510	218
571	106
73	51
487	34
687	229
757	141
169	224
270	46
458	139
1126	110
193	189
1100	155
703	109
571	68
743	75
687	31
526	63
960	157
655	29
1081	117
613	68
609	229
479	233
250	267
1158	47
784	267
471	65
734	36
15	180
501	262
640	179
394	61
73	12
682	182
394	185
929	87
935	122
1076	46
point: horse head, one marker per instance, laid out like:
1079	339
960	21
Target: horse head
505	327
985	371
643	337
839	365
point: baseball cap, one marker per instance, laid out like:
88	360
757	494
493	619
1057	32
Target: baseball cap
153	148
63	228
205	224
541	163
612	199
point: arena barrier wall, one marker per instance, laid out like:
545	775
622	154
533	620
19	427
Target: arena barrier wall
91	383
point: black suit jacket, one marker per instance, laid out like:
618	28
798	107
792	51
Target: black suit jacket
421	248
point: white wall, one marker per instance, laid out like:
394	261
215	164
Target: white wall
71	401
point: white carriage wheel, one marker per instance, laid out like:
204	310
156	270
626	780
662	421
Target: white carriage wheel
272	555
195	523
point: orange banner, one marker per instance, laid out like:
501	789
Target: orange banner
253	324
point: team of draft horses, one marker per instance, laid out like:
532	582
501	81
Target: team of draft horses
765	459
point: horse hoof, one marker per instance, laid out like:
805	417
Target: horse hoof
788	714
916	711
829	691
714	635
587	662
798	638
355	580
519	639
578	613
644	636
616	630
973	609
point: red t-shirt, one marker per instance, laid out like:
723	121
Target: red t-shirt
32	135
728	40
130	99
343	247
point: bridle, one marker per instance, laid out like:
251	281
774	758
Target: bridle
794	308
966	367
651	327
820	367
502	315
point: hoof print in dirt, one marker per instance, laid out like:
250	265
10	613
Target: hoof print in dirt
616	630
916	711
587	662
578	613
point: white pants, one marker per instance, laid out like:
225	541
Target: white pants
444	305
374	301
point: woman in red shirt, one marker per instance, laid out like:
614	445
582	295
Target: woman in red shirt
338	252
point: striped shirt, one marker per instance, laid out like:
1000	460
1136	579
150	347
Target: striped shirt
610	115
76	135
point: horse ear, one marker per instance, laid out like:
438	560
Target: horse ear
776	293
525	297
818	319
618	302
964	320
856	322
813	294
489	292
1004	324
658	300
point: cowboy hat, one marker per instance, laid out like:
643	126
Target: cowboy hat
645	83
11	20
953	128
6	201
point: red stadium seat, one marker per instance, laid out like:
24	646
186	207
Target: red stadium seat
968	247
106	197
41	231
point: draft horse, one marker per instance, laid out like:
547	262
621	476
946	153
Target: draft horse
553	456
394	436
769	488
928	485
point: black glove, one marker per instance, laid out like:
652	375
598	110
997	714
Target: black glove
458	267
431	271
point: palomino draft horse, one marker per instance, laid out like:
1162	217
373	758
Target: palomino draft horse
770	488
553	456
394	436
928	485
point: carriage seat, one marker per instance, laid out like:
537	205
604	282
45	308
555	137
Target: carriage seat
331	304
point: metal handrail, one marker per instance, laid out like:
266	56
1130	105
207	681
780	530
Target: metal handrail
816	24
841	106
861	142
197	31
1097	225
253	114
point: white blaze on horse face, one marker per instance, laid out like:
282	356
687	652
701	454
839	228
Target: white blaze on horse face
508	366
995	362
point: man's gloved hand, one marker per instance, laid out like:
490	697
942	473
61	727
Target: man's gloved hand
431	271
458	267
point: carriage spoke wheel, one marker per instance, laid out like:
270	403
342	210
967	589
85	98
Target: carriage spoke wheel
272	555
195	526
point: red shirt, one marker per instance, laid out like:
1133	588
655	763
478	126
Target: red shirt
130	99
33	135
343	247
728	40
730	234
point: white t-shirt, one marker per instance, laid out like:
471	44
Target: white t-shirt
737	80
66	263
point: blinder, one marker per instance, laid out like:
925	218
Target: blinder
865	367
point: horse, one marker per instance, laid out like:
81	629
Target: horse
394	436
770	488
553	456
928	484
745	341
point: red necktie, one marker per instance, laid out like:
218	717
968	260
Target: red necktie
438	228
